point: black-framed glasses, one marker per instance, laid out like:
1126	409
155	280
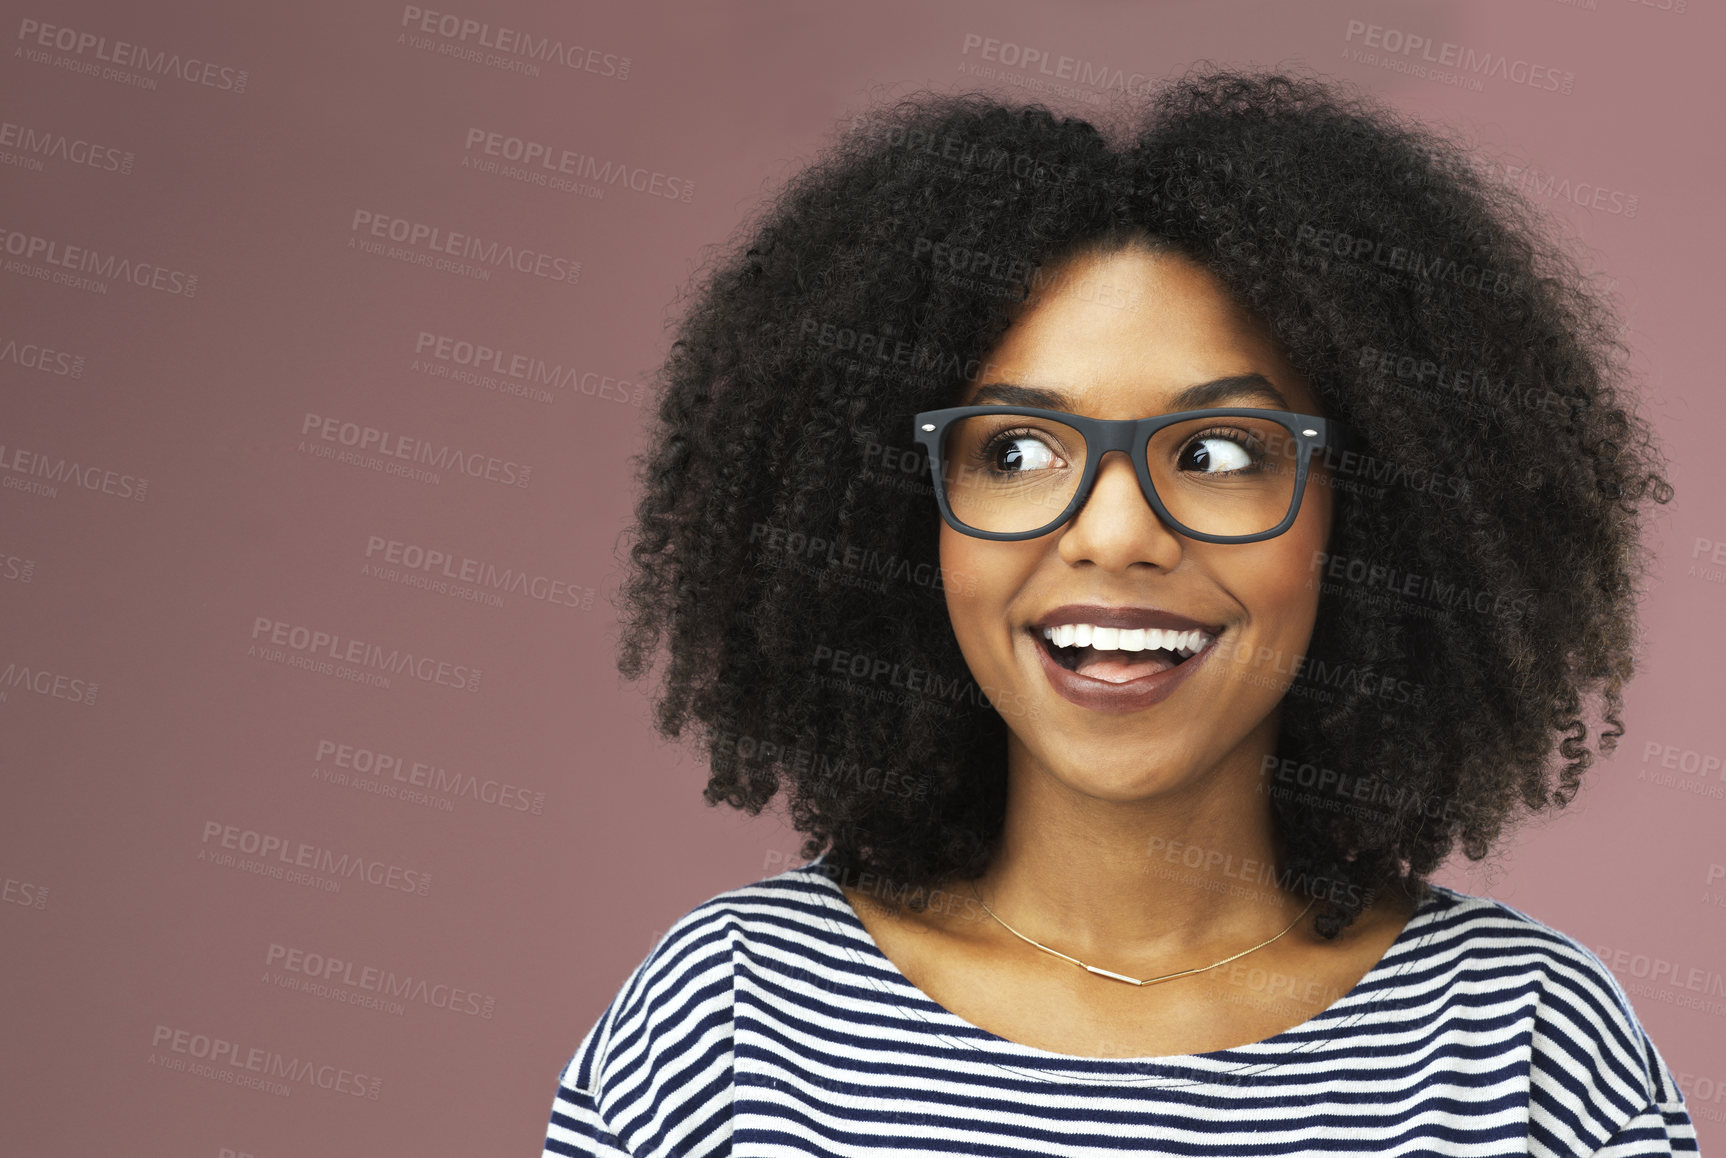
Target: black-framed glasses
1222	475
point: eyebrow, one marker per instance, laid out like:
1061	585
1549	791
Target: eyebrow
1205	394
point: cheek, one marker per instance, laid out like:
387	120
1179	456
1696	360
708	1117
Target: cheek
1282	592
962	580
1291	591
980	579
1294	579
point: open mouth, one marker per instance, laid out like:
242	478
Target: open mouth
1119	656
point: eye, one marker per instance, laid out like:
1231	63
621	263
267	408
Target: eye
1220	452
1018	452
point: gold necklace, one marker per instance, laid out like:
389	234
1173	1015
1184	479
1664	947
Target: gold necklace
1122	976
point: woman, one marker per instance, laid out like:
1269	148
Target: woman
1122	774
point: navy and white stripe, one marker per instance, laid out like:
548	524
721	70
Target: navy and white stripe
767	1022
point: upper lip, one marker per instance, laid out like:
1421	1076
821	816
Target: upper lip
1128	618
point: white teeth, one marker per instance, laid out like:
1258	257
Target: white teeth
1127	639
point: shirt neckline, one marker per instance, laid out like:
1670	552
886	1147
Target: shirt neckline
1031	1061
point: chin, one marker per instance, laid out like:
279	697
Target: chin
1121	783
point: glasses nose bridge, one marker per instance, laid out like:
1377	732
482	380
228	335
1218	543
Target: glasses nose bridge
1111	435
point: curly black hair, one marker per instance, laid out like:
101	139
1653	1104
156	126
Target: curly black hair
1484	558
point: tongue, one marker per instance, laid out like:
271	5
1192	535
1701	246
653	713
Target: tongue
1117	667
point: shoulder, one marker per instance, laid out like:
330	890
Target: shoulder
655	1070
1522	977
673	1013
1491	941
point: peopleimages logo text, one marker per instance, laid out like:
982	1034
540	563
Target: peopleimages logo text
31	247
338	648
301	854
218	1051
36	34
56	469
514	42
434	455
436	239
569	163
57	146
1396	42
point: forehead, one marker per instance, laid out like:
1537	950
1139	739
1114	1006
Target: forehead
1138	332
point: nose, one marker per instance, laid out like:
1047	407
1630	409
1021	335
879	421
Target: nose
1117	482
1117	526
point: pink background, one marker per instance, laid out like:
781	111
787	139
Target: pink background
120	936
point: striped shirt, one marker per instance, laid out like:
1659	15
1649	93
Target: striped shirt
768	1022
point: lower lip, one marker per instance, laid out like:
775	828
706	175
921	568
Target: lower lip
1103	696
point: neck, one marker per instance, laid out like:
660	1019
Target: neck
1183	873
